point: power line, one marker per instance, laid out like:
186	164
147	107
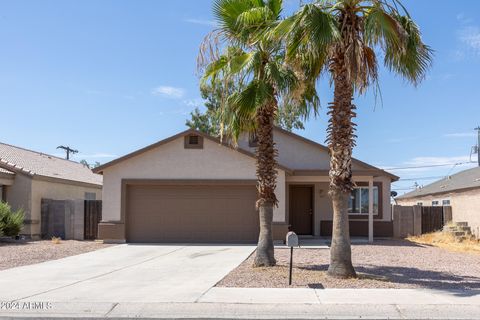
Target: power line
430	166
422	178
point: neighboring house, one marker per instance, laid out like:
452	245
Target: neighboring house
27	177
193	188
461	191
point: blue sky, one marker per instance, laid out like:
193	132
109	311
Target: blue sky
108	77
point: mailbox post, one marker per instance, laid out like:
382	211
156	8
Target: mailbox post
291	241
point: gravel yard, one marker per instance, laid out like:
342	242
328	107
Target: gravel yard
21	253
385	264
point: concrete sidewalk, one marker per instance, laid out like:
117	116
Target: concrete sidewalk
295	303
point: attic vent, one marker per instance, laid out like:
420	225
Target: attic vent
193	141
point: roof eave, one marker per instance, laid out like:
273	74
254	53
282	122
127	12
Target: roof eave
101	168
299	137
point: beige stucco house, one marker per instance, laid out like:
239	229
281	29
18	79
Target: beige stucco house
27	177
193	188
461	191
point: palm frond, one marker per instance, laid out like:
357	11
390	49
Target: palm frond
381	28
276	7
226	13
414	61
313	27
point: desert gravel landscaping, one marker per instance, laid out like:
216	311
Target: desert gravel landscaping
21	253
385	264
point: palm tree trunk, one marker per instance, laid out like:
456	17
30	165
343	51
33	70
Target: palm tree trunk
341	141
267	177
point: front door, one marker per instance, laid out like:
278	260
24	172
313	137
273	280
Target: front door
301	209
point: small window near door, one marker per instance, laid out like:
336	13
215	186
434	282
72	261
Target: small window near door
435	203
446	202
193	141
90	196
358	202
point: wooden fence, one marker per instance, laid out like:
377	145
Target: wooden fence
432	219
416	220
93	215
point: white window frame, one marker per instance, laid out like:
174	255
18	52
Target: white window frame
443	202
435	203
366	213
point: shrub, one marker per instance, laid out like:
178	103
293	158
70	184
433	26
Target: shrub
11	222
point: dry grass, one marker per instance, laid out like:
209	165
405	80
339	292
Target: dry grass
447	241
56	240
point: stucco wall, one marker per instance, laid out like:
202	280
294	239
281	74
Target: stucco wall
296	154
55	191
19	196
465	206
323	205
173	161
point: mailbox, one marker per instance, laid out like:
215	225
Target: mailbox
292	239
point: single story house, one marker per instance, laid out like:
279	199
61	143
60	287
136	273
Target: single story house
27	177
461	191
191	187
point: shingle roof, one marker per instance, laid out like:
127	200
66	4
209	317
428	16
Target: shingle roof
462	180
35	163
5	171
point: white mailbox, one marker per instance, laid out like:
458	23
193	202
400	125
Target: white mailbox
292	239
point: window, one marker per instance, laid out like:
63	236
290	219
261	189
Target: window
446	202
434	203
358	202
193	141
90	196
419	203
252	140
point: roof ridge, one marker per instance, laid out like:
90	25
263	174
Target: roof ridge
439	182
38	152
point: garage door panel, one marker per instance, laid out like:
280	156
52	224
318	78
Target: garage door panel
176	213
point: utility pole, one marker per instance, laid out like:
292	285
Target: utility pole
68	150
478	145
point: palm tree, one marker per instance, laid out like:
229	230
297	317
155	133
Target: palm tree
240	51
341	37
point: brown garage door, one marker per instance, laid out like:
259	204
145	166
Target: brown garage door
191	213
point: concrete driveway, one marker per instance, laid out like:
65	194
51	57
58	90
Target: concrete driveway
125	273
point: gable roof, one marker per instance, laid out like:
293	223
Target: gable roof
371	169
466	179
101	168
324	148
32	163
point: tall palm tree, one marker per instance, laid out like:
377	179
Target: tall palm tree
240	51
340	37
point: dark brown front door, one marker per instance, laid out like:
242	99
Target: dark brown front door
301	209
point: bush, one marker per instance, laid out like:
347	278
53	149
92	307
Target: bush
11	222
